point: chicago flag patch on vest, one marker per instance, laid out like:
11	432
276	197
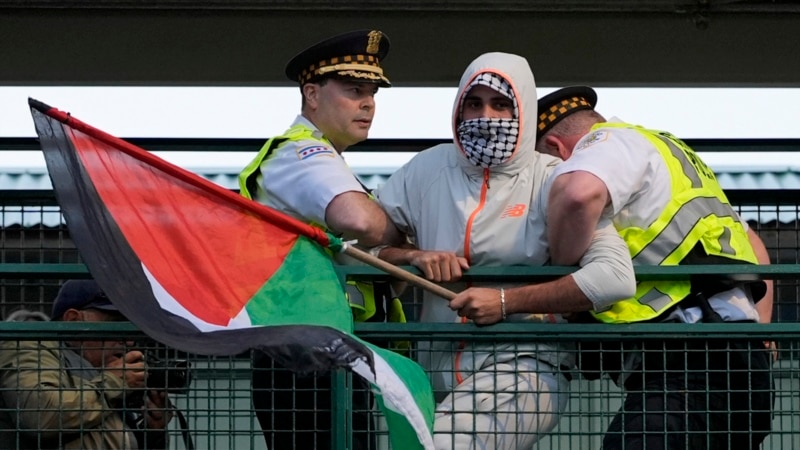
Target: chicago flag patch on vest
314	150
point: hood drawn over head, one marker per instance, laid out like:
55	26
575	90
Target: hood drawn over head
517	72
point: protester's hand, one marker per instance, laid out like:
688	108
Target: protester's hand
481	305
129	367
441	267
157	411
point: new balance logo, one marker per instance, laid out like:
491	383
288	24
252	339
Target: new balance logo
513	211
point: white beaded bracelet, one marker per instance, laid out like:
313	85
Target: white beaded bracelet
503	303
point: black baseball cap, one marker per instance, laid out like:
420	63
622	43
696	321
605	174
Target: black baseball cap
80	294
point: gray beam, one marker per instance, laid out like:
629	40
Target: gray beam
248	47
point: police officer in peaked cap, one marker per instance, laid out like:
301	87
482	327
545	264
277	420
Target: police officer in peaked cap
303	174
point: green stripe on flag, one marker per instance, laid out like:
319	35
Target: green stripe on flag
305	290
405	398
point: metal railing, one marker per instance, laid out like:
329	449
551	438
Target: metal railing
220	413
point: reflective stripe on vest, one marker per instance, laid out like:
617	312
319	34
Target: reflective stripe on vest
698	212
680	226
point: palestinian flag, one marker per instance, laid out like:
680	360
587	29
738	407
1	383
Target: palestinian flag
207	271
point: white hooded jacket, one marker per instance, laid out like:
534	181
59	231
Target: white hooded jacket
493	217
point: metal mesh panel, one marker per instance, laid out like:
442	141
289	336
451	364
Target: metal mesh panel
51	401
219	412
32	231
218	405
777	225
713	373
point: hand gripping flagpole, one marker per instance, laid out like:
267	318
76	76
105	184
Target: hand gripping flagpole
397	272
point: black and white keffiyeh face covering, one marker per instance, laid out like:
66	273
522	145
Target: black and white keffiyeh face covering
490	142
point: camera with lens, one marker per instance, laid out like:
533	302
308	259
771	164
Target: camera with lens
172	376
162	374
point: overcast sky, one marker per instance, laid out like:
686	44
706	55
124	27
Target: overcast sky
253	112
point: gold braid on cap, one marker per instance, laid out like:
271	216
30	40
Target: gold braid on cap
349	67
361	63
362	74
560	109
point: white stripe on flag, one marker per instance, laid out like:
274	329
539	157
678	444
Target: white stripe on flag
168	303
396	396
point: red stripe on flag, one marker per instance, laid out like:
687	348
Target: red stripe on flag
276	217
183	235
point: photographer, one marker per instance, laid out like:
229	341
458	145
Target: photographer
72	395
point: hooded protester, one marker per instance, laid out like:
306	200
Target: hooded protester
481	200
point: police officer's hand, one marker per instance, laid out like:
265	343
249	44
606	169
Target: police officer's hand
480	305
129	367
773	347
441	267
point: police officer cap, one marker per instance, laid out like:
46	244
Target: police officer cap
555	106
353	56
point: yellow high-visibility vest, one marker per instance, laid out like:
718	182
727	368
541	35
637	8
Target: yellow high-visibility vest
698	213
250	177
360	295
